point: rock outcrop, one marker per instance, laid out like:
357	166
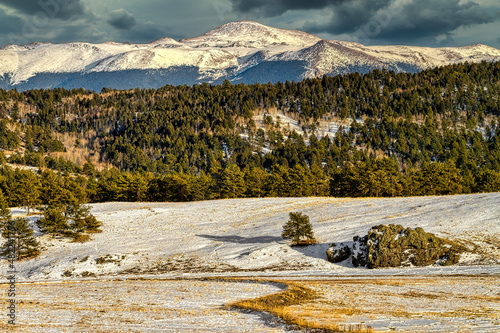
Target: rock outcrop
396	246
338	252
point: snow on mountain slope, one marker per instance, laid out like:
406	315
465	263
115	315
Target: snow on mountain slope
426	57
337	57
163	58
240	51
55	58
251	34
327	57
166	42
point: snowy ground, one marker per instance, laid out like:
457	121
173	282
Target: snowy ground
422	304
242	237
138	306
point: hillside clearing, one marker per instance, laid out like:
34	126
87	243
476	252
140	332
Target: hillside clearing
243	237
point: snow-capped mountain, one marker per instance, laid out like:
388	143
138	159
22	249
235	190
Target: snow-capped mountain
251	34
243	51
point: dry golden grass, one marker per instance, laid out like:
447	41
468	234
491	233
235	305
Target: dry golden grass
319	305
80	238
306	242
283	305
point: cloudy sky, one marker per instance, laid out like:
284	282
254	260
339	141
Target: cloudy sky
371	22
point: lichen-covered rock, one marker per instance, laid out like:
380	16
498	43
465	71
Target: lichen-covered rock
393	246
338	252
396	246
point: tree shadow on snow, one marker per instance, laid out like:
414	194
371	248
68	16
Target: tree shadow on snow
319	251
315	250
242	240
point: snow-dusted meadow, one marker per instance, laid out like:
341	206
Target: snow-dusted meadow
242	238
409	304
139	306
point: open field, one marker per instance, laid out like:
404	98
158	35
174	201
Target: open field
145	271
137	306
405	304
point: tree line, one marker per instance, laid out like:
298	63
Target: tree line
371	178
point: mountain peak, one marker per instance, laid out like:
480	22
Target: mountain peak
166	42
243	51
251	34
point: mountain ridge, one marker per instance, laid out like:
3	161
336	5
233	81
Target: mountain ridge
242	52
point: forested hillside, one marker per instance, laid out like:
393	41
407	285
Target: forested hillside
431	133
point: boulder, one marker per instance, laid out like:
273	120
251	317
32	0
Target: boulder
338	252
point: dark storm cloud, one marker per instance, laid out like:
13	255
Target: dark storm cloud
9	24
423	22
382	20
427	18
61	9
121	19
348	16
146	33
142	32
273	8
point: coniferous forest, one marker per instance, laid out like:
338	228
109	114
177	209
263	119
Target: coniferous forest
436	132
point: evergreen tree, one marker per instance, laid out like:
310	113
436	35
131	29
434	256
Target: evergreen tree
81	218
26	189
89	169
5	214
53	192
255	181
298	228
232	182
488	181
320	181
54	221
20	240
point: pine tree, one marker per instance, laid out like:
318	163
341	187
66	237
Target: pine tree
53	192
232	182
82	219
5	215
54	221
299	229
255	180
4	207
26	189
20	240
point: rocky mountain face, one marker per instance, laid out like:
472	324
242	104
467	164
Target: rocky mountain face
243	51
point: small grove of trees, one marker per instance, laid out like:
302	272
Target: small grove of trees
298	229
372	177
72	220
